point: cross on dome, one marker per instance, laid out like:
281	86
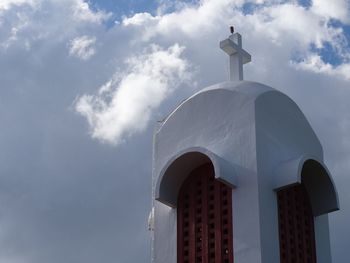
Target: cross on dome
238	56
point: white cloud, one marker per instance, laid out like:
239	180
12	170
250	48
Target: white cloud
293	22
125	103
82	11
14	33
6	4
139	19
83	47
337	9
204	17
32	21
191	19
290	25
314	63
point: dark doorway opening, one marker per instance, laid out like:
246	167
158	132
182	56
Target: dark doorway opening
296	226
204	219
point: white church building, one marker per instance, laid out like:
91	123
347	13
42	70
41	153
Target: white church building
239	176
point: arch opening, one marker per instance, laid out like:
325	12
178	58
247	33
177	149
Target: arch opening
320	188
178	168
310	195
176	174
315	177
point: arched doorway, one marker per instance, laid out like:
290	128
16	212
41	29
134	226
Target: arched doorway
204	219
296	226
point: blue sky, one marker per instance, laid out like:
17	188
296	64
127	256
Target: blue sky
80	96
123	7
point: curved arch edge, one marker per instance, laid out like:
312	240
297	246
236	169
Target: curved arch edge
180	165
323	194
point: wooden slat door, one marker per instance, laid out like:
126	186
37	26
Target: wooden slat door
204	219
296	226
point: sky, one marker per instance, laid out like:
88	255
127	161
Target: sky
83	84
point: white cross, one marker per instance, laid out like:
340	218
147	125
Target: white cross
238	56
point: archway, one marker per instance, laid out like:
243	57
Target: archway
204	218
178	168
298	206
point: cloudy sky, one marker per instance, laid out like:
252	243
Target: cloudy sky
83	84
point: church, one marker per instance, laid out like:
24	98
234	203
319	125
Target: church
238	176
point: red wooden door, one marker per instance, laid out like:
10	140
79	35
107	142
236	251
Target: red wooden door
204	219
296	226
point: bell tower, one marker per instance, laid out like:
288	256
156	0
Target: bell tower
239	176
